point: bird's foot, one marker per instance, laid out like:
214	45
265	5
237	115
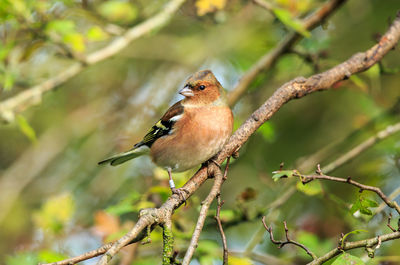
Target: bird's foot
181	193
210	173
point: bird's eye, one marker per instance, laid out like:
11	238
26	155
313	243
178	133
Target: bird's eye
202	87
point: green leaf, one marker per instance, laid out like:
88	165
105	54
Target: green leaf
363	204
369	203
283	174
116	11
347	259
286	18
26	128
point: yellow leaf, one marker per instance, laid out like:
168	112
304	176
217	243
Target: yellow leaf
207	6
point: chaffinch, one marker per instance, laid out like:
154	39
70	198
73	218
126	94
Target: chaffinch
192	130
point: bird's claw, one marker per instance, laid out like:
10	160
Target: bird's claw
181	193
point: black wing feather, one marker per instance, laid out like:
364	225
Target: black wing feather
163	127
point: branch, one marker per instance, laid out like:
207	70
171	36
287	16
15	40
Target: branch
168	243
294	89
202	216
392	204
367	243
288	240
88	255
221	230
32	96
269	59
391	196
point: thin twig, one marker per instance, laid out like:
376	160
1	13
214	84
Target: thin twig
392	204
389	225
221	230
392	196
32	96
288	240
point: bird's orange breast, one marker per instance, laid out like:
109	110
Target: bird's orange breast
197	136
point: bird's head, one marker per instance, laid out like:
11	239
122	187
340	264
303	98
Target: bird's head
203	88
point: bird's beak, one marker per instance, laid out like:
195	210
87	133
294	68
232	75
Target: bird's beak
186	91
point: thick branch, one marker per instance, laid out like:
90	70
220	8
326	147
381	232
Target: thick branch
269	59
356	244
32	96
301	87
295	89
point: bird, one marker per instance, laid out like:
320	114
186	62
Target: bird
191	132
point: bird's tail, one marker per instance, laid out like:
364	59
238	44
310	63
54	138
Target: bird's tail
120	158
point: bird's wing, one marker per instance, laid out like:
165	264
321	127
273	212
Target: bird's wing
164	126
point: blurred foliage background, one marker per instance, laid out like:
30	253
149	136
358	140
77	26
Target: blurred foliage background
57	202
